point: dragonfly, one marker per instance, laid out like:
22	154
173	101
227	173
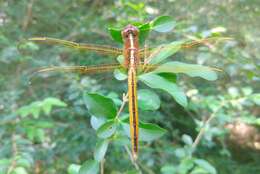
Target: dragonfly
135	60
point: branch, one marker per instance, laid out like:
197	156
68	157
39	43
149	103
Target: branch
207	122
14	154
202	130
102	166
132	159
28	17
146	169
124	99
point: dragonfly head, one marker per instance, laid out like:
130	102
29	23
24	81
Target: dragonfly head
130	29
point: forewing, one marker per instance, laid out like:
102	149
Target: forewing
101	49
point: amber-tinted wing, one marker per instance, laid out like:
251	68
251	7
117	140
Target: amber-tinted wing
209	42
106	50
78	69
147	52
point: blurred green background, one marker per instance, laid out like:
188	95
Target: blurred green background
54	134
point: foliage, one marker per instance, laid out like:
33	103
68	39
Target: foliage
69	123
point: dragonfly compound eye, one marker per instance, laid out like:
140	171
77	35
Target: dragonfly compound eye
129	29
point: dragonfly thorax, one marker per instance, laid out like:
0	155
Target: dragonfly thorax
131	47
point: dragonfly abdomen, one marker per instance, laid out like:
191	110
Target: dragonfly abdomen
133	110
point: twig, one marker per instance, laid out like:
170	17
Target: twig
102	166
28	17
37	169
132	159
124	99
202	130
146	169
14	152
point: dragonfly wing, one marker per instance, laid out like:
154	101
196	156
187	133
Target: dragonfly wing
80	69
178	67
206	41
107	50
149	53
193	70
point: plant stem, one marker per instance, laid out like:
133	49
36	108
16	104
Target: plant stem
28	18
124	100
102	166
132	159
14	152
207	122
202	130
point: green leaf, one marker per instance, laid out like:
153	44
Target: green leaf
150	132
23	161
180	152
148	100
120	139
218	30
89	167
185	165
54	101
162	52
32	125
41	123
107	129
233	92
101	149
96	122
187	139
247	91
5	164
158	82
133	172
199	170
136	6
205	165
99	105
35	133
257	121
163	24
256	98
116	34
168	169
147	131
27	46
51	101
35	107
120	75
115	97
120	59
143	32
73	169
19	170
192	70
169	76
